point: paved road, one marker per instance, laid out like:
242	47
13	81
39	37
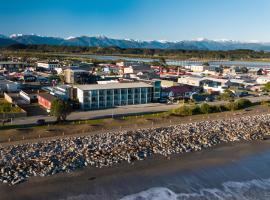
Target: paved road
120	111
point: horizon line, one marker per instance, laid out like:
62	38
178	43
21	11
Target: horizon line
137	40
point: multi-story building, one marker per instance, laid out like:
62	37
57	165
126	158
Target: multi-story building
101	96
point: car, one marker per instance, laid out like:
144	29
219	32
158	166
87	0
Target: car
163	100
209	99
41	122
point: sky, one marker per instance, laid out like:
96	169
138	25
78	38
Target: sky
173	20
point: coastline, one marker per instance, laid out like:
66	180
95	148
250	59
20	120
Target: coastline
120	180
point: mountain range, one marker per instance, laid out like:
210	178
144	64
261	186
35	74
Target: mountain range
102	41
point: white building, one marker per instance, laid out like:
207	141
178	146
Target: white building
198	68
215	84
101	96
263	80
191	80
48	65
128	70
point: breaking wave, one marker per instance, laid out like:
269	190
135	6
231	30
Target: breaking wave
248	190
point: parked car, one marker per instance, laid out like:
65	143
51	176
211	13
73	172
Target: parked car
163	100
41	122
209	99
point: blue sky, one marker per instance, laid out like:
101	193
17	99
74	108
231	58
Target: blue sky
243	20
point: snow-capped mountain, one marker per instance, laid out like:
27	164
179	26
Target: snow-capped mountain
103	41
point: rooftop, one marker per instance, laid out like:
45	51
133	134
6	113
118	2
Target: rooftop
11	63
113	86
47	96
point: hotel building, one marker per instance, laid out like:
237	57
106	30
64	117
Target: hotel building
101	96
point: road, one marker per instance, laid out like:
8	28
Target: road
95	114
120	111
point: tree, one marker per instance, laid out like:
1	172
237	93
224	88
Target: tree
227	95
243	103
162	61
206	64
60	109
62	78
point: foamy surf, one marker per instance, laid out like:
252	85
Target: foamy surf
258	189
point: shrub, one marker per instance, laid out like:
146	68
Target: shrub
232	106
215	109
227	95
243	103
223	108
265	103
182	111
205	108
196	110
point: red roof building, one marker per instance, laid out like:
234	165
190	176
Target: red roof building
45	100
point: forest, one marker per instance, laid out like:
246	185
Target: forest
241	54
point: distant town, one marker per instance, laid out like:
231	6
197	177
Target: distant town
32	85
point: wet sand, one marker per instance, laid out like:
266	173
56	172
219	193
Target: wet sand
124	179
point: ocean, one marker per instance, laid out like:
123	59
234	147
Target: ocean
247	178
246	190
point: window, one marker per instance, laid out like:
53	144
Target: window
101	92
101	98
94	92
123	91
109	92
130	91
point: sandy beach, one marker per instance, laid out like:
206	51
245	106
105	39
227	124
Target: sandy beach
125	179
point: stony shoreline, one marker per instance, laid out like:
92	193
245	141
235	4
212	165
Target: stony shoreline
46	158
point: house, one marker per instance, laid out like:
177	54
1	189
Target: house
179	92
242	83
12	66
64	92
168	83
45	100
133	67
263	80
199	68
211	85
15	98
191	80
79	76
31	96
255	71
8	86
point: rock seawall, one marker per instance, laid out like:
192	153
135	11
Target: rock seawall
17	163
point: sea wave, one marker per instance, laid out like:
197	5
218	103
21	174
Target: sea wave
258	189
